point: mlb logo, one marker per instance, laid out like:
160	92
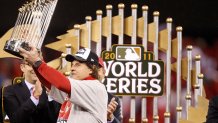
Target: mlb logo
128	53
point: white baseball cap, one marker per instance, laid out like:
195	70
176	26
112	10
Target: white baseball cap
84	55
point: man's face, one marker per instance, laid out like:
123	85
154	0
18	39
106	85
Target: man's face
29	73
101	73
80	71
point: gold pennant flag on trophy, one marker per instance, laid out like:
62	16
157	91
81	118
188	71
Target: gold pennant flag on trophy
95	32
128	25
184	64
84	35
55	63
163	44
66	35
72	31
151	34
174	47
185	121
163	40
140	27
197	115
203	102
116	25
184	71
105	26
60	45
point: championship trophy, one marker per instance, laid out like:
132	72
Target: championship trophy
31	25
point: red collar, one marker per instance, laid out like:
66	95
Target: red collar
90	78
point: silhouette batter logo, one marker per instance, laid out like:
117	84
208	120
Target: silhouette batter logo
126	53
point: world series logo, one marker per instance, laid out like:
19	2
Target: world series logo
131	71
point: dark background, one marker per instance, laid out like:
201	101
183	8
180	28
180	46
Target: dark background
199	18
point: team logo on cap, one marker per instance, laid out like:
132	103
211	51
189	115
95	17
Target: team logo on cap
81	51
131	71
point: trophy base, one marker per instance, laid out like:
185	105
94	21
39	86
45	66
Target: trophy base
11	46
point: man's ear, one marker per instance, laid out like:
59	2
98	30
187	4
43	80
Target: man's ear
104	71
90	71
22	67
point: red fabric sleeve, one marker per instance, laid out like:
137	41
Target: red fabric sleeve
42	80
50	76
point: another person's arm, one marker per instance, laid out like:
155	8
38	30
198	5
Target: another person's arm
117	112
114	110
110	110
18	113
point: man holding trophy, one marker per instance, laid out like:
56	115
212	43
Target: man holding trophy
83	89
